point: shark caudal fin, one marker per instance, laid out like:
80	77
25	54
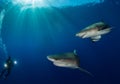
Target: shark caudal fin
85	71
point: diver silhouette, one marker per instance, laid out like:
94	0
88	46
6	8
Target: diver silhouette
7	68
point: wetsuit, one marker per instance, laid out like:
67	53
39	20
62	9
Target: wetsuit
7	69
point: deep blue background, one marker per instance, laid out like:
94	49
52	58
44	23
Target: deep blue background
30	44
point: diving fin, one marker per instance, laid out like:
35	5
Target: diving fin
75	52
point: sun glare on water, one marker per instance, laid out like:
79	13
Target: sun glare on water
30	3
52	3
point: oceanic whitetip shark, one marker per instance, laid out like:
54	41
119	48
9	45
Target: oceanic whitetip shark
67	60
94	31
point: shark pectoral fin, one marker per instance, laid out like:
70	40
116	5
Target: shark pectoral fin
85	71
96	38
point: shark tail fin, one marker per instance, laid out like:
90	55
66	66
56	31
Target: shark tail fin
85	71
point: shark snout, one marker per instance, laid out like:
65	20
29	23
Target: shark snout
82	34
50	59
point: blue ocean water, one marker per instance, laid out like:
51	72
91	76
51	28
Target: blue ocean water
31	35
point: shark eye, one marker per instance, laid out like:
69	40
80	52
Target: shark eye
56	58
102	27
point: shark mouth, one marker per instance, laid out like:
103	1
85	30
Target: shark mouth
82	35
50	59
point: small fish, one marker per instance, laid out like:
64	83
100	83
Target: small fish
67	60
95	31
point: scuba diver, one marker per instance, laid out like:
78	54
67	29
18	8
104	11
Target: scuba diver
7	67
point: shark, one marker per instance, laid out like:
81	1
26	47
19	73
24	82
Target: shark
94	31
67	60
